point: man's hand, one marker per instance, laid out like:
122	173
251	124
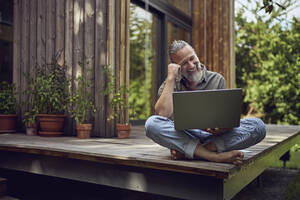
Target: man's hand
173	70
217	131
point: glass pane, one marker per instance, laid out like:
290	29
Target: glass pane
143	59
6	40
177	33
183	5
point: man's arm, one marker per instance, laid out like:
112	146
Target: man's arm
164	105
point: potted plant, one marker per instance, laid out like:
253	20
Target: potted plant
31	122
51	97
81	103
118	104
31	106
8	104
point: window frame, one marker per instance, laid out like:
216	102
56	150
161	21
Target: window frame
166	13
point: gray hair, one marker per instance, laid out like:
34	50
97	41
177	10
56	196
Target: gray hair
175	46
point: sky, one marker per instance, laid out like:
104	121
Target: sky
290	14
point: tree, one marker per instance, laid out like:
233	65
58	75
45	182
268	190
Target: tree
268	66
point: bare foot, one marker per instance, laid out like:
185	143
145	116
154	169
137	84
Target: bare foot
235	157
176	155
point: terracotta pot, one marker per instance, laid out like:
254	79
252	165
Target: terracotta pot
8	123
123	130
84	131
51	125
31	129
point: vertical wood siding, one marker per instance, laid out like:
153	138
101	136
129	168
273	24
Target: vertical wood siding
77	28
213	36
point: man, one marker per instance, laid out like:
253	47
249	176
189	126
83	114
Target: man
218	145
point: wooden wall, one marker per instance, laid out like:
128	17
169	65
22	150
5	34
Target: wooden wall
75	27
213	36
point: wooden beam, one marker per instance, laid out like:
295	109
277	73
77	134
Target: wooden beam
158	182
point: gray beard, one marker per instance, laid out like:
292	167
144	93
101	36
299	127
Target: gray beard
195	77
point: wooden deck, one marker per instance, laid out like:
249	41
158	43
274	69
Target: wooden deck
139	164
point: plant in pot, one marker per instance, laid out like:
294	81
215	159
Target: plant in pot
31	122
31	105
51	97
81	104
118	104
8	105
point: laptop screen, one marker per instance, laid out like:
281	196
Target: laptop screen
201	109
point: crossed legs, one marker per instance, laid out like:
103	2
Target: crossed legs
199	144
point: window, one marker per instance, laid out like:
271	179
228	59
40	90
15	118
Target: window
153	26
6	40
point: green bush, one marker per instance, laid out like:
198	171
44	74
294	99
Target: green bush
268	67
52	91
81	103
7	98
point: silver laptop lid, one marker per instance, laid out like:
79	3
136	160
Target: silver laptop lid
202	109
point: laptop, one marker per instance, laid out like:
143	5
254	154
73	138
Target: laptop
201	109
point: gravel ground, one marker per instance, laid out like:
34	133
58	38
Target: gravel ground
271	186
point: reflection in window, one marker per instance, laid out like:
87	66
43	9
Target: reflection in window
177	33
6	40
142	62
183	5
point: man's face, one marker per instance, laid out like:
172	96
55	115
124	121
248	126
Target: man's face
189	62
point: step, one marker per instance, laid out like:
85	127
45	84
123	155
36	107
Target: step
3	186
7	198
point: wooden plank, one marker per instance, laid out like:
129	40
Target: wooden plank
121	45
199	30
101	36
50	31
25	51
215	41
89	45
232	45
221	36
209	34
60	30
33	37
226	63
69	28
41	33
127	55
17	50
78	40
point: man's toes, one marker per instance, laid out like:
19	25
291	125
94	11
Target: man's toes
237	162
241	154
173	152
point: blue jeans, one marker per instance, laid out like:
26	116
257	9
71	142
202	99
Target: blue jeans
161	130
